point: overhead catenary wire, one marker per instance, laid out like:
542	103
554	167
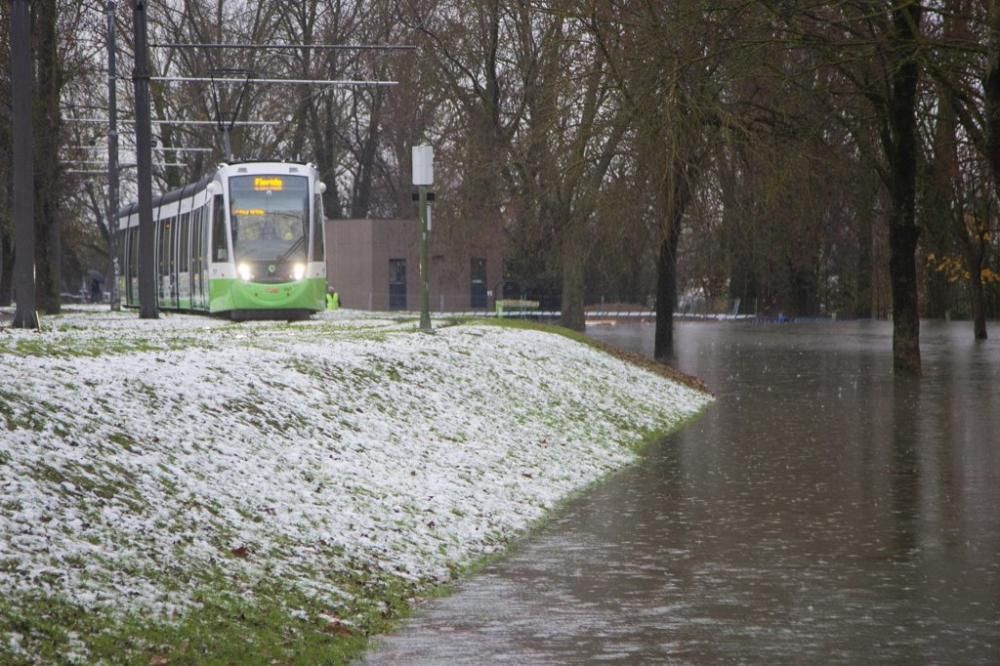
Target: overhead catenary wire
329	47
121	166
269	123
176	149
104	172
347	83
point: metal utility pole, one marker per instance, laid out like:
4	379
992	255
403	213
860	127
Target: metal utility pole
423	178
148	307
425	291
25	315
112	215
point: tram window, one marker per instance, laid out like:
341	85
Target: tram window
127	264
158	248
220	250
183	249
195	226
122	254
318	217
197	253
166	245
133	261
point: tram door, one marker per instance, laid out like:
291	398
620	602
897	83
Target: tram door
199	254
168	265
195	267
202	277
133	266
159	251
125	241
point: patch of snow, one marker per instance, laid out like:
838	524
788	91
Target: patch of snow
138	455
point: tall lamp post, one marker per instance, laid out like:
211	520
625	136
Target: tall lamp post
423	178
148	307
24	207
113	156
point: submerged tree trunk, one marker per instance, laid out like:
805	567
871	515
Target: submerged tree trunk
905	315
978	306
992	93
666	271
676	186
666	297
992	90
939	198
901	148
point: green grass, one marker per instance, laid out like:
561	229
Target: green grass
263	623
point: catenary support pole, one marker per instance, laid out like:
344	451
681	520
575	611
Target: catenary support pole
148	307
25	315
112	215
423	178
425	292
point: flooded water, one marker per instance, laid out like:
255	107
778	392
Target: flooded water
821	511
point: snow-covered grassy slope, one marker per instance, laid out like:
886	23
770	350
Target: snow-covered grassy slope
149	469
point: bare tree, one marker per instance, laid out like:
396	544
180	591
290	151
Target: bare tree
875	48
664	59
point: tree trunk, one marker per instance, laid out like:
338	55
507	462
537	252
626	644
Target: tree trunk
864	281
6	268
938	198
48	245
572	250
6	234
902	154
978	306
25	316
325	150
905	315
676	187
361	201
992	94
666	285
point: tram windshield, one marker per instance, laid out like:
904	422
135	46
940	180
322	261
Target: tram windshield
270	218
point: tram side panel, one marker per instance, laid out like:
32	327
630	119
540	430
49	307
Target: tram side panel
195	256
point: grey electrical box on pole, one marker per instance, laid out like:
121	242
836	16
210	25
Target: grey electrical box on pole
423	178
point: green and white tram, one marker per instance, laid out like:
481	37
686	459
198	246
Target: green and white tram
244	242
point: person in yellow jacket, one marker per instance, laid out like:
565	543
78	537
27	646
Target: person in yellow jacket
332	299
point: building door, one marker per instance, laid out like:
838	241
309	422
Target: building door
477	296
397	284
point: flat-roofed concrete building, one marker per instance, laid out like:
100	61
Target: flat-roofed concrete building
375	265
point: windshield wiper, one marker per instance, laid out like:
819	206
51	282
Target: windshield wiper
295	246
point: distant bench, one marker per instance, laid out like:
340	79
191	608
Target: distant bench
515	307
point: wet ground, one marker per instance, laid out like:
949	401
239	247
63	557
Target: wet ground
821	511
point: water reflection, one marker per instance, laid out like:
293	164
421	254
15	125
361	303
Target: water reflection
823	510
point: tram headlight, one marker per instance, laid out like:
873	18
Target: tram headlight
245	272
298	271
